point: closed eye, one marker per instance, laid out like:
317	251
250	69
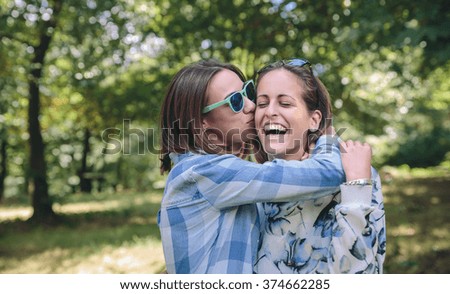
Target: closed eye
261	104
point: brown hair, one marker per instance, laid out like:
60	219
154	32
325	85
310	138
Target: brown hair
181	112
315	95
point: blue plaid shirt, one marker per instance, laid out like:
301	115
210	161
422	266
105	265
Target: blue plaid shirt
209	219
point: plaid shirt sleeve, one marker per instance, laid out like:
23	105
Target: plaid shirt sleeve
227	181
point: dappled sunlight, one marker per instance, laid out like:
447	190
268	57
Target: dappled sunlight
407	251
418	238
402	230
146	256
20	213
414	190
44	262
134	259
76	208
416	254
89	206
101	233
441	232
435	200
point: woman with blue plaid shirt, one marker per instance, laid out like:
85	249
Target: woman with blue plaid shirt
209	219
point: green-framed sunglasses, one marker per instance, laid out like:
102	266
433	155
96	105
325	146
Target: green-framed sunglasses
236	100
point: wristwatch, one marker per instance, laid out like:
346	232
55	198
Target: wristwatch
359	182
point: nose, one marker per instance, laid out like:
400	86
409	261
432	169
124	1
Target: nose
271	110
249	106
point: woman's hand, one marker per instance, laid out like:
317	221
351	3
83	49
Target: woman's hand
356	157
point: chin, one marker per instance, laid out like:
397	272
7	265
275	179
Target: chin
283	152
277	152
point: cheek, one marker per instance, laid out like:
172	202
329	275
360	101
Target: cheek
220	122
301	127
222	117
258	117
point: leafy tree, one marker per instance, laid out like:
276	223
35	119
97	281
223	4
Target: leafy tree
375	57
44	22
70	52
84	67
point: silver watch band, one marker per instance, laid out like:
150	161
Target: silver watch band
359	182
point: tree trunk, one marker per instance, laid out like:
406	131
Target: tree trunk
26	181
85	182
41	202
3	171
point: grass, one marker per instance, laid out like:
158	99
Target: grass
104	233
117	233
417	215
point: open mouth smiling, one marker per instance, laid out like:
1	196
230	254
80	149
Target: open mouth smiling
274	129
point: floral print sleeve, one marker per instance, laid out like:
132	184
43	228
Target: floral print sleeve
344	233
359	231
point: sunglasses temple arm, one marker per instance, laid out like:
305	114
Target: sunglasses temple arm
215	105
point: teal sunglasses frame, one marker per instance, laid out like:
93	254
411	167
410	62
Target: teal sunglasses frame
243	93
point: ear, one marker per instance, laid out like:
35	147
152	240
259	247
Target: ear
314	121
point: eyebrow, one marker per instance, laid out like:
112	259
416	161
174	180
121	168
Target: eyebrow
278	96
286	95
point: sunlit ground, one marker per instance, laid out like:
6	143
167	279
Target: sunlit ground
103	234
117	233
145	256
417	214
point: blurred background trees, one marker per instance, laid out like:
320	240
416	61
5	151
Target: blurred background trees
82	81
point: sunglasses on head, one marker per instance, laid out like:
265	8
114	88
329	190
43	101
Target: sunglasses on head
236	100
300	62
297	62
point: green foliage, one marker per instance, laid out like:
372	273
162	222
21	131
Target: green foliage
385	65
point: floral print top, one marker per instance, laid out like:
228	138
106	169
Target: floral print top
342	233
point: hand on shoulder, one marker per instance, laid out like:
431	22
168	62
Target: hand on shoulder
356	159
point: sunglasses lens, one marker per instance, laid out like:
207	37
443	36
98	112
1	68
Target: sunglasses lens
250	92
237	102
298	62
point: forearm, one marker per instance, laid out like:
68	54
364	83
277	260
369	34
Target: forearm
234	182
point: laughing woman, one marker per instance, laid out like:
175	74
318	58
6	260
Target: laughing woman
341	233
